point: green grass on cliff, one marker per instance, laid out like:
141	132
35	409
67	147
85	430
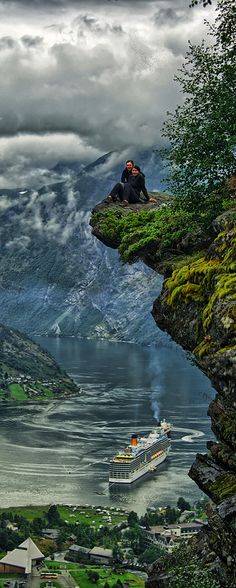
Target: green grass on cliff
154	231
210	284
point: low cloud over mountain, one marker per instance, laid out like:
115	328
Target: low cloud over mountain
84	78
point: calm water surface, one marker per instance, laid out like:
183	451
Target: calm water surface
60	451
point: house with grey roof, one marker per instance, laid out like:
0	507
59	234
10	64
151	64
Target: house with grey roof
50	534
78	552
100	555
22	559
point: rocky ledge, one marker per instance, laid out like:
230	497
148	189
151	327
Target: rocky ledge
197	307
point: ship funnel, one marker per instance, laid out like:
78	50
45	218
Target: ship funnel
134	440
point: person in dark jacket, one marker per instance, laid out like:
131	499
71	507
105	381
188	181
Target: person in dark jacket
117	191
134	187
127	172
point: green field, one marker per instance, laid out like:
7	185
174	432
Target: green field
58	566
106	574
46	392
88	515
29	512
17	392
82	514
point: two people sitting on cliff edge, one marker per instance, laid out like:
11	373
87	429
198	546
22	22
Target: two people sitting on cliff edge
132	183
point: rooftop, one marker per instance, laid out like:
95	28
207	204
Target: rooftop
79	548
23	555
100	551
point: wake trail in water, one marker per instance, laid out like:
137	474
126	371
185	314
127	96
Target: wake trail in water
193	434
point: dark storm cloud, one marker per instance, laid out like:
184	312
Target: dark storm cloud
169	15
63	5
79	79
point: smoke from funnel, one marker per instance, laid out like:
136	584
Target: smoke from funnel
156	376
156	409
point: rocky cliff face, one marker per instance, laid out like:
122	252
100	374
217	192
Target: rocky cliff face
197	307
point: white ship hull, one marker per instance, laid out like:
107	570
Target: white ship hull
143	469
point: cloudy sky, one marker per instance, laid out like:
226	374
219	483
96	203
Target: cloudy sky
80	78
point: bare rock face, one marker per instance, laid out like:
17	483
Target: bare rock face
197	307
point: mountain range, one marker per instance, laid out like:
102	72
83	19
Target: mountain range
55	278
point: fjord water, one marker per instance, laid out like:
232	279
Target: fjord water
59	451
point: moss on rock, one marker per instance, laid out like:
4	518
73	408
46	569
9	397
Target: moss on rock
223	487
211	285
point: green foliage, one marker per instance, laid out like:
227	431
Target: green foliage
183	504
107	575
208	283
202	131
153	231
53	515
17	392
203	2
110	220
93	576
184	569
118	584
132	518
151	554
193	576
136	538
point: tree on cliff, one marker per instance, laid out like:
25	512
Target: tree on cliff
204	2
201	131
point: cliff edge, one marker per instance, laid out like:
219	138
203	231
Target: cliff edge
197	307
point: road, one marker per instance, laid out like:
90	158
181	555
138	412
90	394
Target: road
65	580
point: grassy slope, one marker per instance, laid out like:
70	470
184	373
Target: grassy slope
20	355
106	575
89	515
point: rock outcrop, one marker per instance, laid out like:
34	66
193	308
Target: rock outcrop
197	307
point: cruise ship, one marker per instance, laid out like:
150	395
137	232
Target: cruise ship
143	455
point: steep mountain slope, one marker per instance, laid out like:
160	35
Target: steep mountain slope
28	371
54	276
